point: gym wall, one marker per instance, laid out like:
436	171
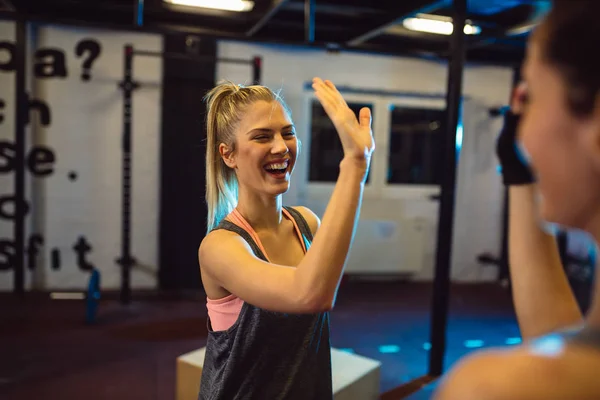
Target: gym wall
398	229
409	220
79	203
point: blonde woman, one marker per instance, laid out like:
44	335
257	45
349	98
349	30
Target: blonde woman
270	271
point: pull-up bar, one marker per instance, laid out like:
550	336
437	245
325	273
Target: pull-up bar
255	62
128	85
199	59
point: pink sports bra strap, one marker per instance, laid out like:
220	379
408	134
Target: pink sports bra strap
241	221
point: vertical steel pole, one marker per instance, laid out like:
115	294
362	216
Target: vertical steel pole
441	283
257	70
21	114
126	261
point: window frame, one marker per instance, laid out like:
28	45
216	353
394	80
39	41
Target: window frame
377	187
316	189
404	190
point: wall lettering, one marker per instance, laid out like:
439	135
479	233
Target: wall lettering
39	160
7	255
52	62
48	63
11	201
91	49
42	108
34	243
10	49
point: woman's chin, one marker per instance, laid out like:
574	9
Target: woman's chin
282	188
278	188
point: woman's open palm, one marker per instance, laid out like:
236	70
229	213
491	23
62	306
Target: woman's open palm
355	134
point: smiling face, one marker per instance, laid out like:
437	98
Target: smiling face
265	149
564	148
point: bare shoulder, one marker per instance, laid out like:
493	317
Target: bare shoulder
220	255
313	220
217	243
473	377
517	373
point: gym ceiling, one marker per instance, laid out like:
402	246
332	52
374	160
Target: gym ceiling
376	26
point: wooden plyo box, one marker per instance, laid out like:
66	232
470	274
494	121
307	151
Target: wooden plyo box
354	377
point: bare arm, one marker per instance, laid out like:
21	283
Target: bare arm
312	285
542	296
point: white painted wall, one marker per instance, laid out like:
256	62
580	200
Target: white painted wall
85	134
397	231
478	210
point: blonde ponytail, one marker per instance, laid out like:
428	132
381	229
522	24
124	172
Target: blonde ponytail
226	104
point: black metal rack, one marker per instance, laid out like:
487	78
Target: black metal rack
126	260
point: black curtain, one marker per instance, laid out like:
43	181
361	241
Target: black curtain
183	209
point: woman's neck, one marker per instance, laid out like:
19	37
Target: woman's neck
261	212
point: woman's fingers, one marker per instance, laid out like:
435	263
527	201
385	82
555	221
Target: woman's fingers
343	118
355	133
331	90
365	117
327	106
336	93
324	94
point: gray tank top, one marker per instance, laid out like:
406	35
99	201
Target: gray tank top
269	355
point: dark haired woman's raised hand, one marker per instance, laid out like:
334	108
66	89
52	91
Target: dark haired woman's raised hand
515	169
355	133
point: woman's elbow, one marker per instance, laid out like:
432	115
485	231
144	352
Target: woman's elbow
313	295
315	302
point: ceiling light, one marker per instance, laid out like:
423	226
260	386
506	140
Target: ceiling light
437	26
227	5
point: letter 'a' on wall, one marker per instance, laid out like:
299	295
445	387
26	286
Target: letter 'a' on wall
73	156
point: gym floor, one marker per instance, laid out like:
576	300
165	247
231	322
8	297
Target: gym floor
46	350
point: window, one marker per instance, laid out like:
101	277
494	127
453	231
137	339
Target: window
326	151
415	145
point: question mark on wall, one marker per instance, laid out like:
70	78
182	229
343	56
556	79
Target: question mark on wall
93	49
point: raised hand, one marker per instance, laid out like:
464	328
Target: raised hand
355	134
515	169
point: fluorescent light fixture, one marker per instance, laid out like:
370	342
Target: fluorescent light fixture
227	5
436	25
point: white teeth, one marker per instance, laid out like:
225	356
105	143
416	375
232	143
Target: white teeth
277	166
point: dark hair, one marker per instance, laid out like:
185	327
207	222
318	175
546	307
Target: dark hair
570	37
